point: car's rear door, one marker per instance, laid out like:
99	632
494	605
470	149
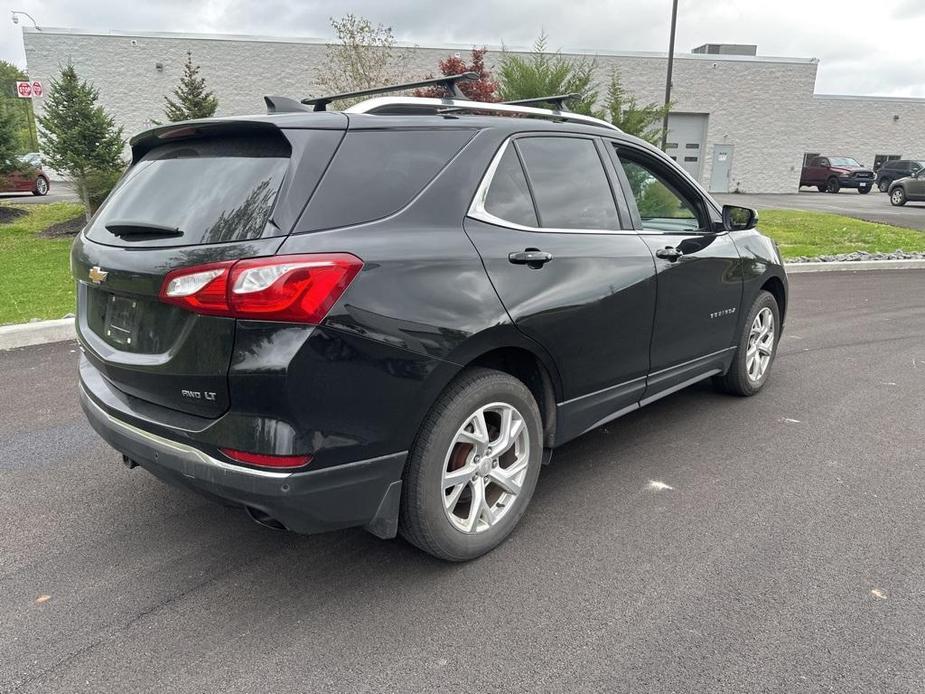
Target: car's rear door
698	269
570	271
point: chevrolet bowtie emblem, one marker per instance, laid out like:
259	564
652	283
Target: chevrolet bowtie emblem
98	274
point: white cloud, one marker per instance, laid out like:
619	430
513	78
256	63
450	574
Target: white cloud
856	40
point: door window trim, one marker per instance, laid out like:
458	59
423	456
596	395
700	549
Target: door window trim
477	207
706	211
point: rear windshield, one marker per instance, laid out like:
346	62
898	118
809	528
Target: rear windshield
196	192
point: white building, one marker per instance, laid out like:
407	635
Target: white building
740	121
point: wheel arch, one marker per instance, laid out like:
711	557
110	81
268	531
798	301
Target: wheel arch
504	348
776	287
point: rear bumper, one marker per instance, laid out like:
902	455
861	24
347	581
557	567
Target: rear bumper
364	493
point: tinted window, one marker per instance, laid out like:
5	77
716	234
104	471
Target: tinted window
210	191
661	207
569	183
508	196
377	172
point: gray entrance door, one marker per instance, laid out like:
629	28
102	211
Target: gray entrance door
722	167
687	136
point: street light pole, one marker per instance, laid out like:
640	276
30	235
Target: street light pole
674	25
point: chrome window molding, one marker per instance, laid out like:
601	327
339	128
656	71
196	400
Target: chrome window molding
477	207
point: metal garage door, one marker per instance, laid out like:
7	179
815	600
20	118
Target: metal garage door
687	135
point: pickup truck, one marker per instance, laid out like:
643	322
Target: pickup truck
831	174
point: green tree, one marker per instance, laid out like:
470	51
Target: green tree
193	100
542	73
624	111
364	56
545	73
79	138
9	140
19	109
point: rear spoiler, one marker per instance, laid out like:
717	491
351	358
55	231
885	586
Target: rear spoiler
145	141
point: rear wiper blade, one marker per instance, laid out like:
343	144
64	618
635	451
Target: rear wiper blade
141	229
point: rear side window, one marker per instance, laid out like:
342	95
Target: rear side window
377	172
195	192
508	197
570	187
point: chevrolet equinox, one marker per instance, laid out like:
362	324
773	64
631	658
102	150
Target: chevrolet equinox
389	316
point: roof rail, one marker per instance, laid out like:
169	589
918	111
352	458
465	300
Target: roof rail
394	105
448	82
557	101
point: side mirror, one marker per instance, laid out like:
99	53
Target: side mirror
736	218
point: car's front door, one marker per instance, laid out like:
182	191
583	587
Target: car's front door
572	273
698	270
915	185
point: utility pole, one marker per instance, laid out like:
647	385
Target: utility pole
674	25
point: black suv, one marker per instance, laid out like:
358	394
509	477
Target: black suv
390	316
896	169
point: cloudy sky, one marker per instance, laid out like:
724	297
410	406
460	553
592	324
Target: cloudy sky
865	46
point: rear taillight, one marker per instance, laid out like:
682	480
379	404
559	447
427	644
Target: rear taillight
272	462
294	288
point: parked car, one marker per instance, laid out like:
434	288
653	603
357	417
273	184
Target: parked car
831	174
896	169
911	188
24	175
390	316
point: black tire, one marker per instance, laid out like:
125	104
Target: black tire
864	190
736	380
898	196
832	185
41	186
884	185
423	521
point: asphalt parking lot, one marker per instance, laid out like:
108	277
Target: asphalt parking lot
873	207
58	191
786	554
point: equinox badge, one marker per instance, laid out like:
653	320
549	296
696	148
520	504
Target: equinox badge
98	274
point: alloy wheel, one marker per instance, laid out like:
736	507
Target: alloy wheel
760	345
41	186
485	467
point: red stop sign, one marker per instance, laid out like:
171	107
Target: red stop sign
37	89
24	88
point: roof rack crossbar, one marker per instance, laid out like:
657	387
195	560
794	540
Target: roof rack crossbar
448	82
557	101
405	104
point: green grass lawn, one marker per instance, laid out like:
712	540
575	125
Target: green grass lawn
820	233
35	281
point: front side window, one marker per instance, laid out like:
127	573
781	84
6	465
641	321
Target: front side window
508	197
570	185
661	207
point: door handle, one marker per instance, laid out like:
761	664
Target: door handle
531	257
668	253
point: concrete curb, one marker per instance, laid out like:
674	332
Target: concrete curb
852	265
38	333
